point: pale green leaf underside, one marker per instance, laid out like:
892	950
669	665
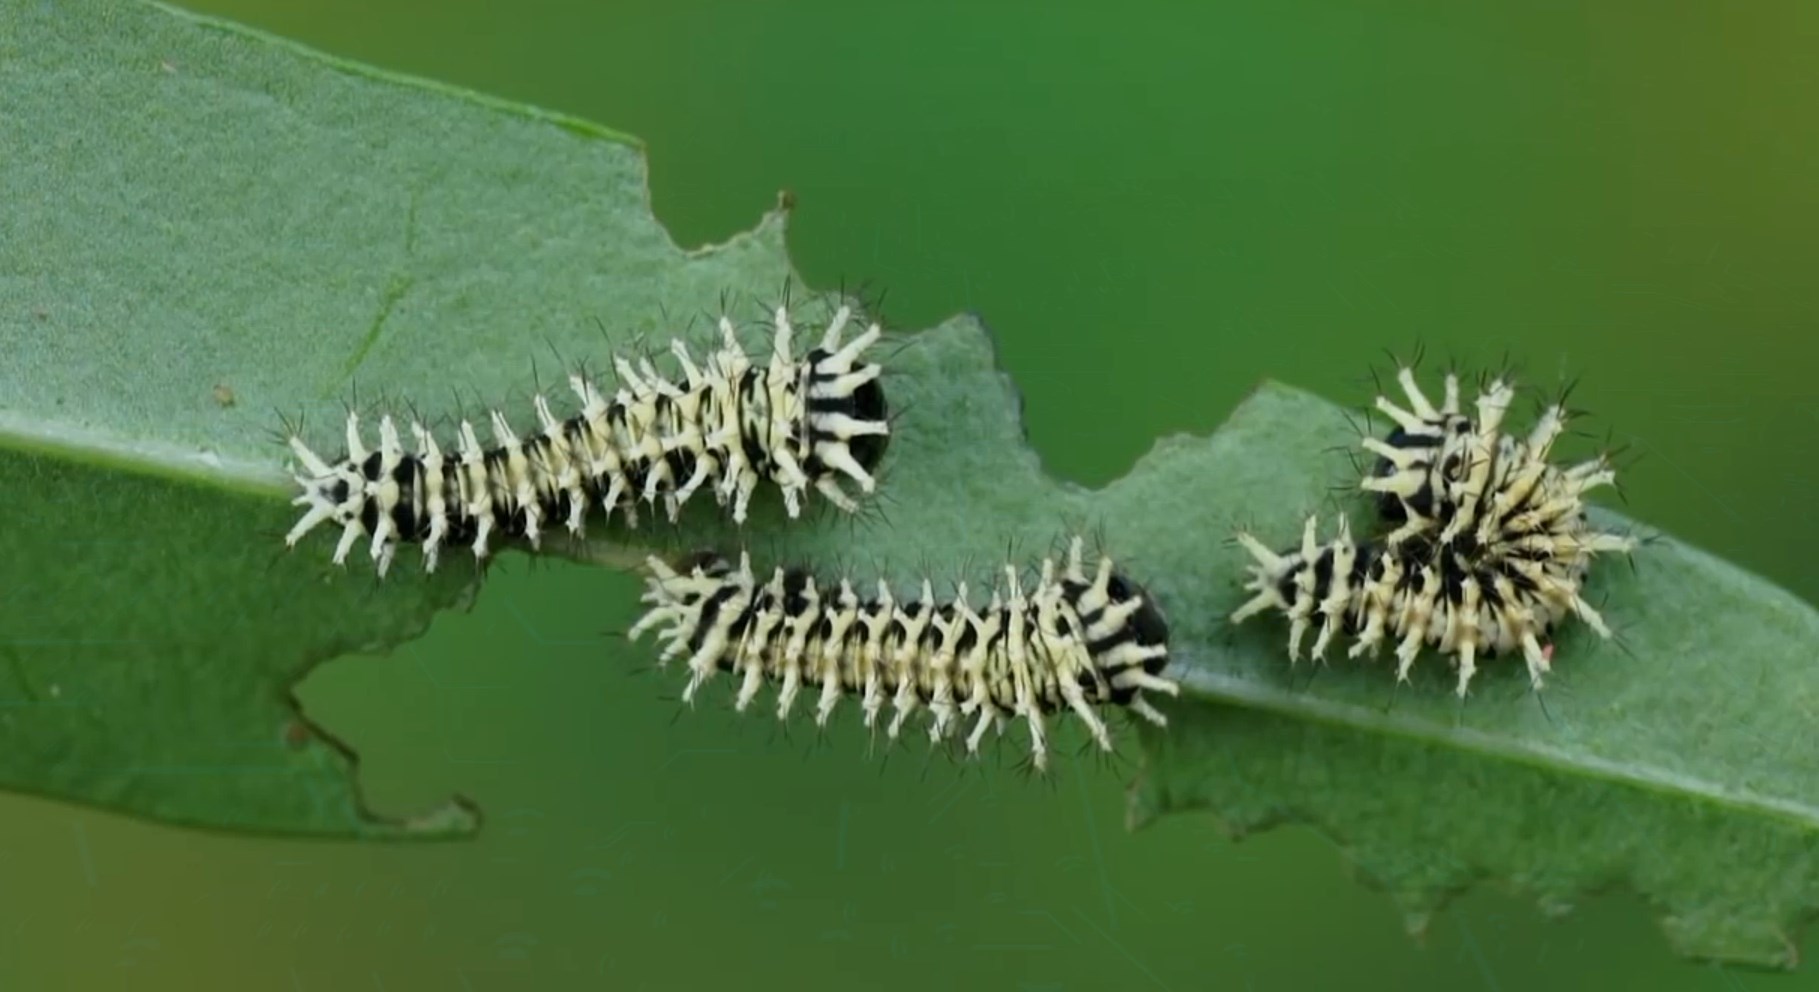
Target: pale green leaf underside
210	206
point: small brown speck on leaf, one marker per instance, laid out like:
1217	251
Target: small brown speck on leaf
224	396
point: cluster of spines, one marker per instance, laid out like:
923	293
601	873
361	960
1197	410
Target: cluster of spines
1073	642
803	424
1488	551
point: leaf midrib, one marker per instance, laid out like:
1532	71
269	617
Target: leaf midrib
1305	706
141	456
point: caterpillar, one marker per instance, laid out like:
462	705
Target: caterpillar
805	425
1489	549
1464	601
1072	643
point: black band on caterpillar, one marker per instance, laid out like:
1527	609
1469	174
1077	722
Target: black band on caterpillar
1446	478
1073	642
801	424
1428	445
1496	599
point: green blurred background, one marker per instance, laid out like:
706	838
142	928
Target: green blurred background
1152	207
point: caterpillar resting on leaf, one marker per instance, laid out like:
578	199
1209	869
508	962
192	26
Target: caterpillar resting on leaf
1489	551
802	424
1484	602
1071	643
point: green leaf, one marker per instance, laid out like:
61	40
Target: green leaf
1680	768
204	228
209	208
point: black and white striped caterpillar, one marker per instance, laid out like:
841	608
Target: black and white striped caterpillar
1072	642
802	424
1464	599
1489	551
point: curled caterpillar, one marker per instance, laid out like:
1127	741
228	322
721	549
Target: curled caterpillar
1073	642
1444	477
801	424
1486	601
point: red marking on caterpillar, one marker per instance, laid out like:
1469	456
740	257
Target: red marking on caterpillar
803	425
1071	643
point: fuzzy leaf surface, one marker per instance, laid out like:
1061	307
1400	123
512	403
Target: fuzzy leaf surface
206	229
210	215
1674	763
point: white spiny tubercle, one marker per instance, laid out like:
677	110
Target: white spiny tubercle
1303	607
836	326
845	385
435	496
384	491
1417	399
842	459
877	623
780	344
629	379
1546	431
1334	607
312	462
356	449
849	353
690	373
349	534
1410	422
836	495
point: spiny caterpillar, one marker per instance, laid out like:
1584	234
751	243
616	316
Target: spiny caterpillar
1490	549
1464	606
802	424
1071	643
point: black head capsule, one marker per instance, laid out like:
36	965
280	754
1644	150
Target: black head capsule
869	405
